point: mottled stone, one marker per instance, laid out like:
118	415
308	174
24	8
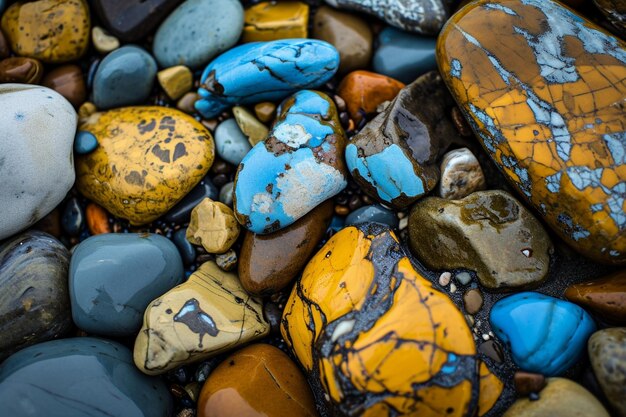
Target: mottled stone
209	314
114	276
256	72
550	115
489	232
34	305
374	213
360	325
403	55
175	81
149	158
213	225
270	20
546	335
607	352
231	143
78	377
103	41
250	126
615	12
604	296
296	168
68	81
37	127
461	175
259	380
364	91
52	31
20	70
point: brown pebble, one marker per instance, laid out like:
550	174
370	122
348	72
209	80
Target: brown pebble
460	123
68	81
186	102
473	301
20	70
97	219
363	91
605	297
50	224
342	210
526	383
492	350
354	202
265	111
5	51
210	124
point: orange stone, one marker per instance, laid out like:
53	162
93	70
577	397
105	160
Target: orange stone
605	297
97	219
363	91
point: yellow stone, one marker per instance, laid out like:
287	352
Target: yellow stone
265	111
213	225
209	314
176	81
250	125
103	41
490	389
147	160
85	110
52	31
270	20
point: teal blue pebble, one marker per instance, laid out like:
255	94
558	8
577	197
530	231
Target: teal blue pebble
113	278
230	142
83	376
374	214
85	142
546	335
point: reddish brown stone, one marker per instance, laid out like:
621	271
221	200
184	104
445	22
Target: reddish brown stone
68	81
527	383
97	219
20	70
363	91
605	297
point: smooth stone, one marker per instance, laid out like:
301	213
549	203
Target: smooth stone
259	380
97	219
287	66
605	297
147	160
473	301
37	128
187	101
560	398
68	81
5	50
20	70
175	81
490	389
197	31
266	267
463	277
350	34
73	219
132	20
394	157
52	31
461	175
359	312
364	91
34	305
213	225
489	232
124	77
103	41
185	248
254	130
607	352
374	213
615	13
227	260
181	212
537	113
226	194
230	142
270	20
114	276
85	142
209	314
295	169
78	377
546	335
404	56
527	383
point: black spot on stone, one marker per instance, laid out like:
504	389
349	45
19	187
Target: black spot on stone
196	320
145	127
134	178
163	155
179	151
168	123
19	116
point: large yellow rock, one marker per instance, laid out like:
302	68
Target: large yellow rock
147	160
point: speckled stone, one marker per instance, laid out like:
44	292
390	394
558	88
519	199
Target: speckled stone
213	225
607	352
373	213
605	297
197	31
209	314
230	142
20	70
461	175
271	20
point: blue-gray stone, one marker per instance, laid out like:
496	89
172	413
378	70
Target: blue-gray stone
375	214
75	377
230	142
85	142
197	31
113	278
185	248
265	71
226	194
181	212
404	56
124	77
73	219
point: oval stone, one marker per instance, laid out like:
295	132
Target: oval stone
607	352
364	91
551	114
230	142
68	81
604	296
113	277
147	160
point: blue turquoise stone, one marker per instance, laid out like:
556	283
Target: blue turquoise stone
373	214
83	376
337	223
230	142
546	335
404	56
124	77
113	277
85	142
297	167
265	71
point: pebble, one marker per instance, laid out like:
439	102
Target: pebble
461	175
124	77
85	142
68	81
79	376
527	383
271	20
254	130
97	219
227	260
373	213
175	81
298	167
147	160
364	91
289	65
463	278
347	32
604	297
37	127
197	31
266	267
394	157
545	334
265	111
444	278
538	116
52	31
489	232
213	225
607	352
404	56
73	219
103	41
34	305
209	314
258	380
181	212
231	143
560	398
473	300
186	250
113	277
226	194
20	70
187	101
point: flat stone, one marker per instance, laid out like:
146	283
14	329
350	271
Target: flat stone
604	296
270	20
461	175
364	91
213	225
231	143
607	352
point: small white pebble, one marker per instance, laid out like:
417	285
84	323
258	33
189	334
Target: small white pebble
478	323
401	215
491	334
526	252
326	397
444	278
452	288
403	223
485	336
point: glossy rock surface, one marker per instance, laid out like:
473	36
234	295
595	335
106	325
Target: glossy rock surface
269	21
461	175
547	114
181	212
604	296
607	352
256	72
68	81
364	91
147	160
296	168
20	70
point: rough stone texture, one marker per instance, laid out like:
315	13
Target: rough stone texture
213	225
607	351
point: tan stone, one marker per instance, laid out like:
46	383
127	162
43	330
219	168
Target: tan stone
176	81
103	41
213	225
265	111
250	125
